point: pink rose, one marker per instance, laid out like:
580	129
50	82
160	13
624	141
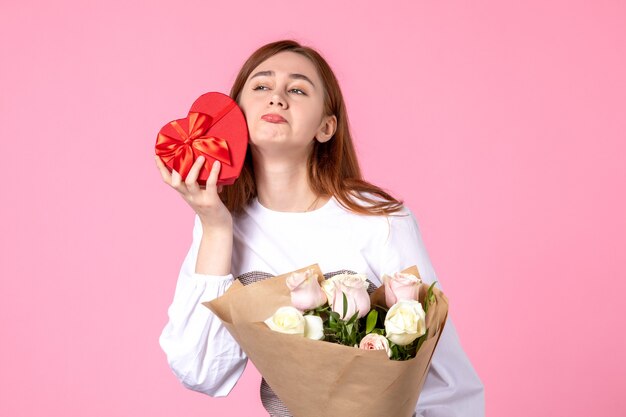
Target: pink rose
375	341
401	287
355	289
306	293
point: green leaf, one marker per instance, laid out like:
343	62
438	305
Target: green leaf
345	304
430	297
421	340
383	308
372	318
333	319
322	309
354	317
394	350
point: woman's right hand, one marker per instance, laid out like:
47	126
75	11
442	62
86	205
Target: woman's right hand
205	202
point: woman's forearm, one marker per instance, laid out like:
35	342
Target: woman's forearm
215	252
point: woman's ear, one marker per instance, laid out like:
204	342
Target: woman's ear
327	129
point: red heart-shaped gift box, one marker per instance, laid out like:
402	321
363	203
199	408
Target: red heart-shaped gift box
215	128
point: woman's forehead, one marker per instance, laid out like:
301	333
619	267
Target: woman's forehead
287	63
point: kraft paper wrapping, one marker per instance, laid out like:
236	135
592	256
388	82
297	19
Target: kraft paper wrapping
315	378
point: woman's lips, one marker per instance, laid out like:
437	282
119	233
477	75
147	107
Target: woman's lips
273	118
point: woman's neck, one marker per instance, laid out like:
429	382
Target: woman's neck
284	186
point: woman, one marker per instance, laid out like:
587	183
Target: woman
299	200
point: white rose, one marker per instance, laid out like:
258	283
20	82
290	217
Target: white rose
287	320
313	327
405	322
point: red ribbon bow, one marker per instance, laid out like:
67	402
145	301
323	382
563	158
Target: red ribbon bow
186	148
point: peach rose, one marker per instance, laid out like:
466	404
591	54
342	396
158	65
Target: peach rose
355	289
306	293
401	287
373	341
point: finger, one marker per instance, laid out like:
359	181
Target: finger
219	189
176	180
165	173
215	172
191	180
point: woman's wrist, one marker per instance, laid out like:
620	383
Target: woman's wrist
225	228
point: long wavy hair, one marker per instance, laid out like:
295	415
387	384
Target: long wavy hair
333	168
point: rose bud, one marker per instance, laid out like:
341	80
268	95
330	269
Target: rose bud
373	341
401	287
355	289
306	293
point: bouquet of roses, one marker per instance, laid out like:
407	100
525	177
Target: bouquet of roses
402	319
340	310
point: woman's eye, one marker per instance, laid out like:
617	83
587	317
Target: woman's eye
263	88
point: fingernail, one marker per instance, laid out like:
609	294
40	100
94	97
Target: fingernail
201	158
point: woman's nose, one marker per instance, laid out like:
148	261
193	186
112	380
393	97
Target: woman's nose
276	99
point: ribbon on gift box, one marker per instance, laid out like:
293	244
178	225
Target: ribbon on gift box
192	143
214	128
182	149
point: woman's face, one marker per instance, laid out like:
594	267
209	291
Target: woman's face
283	102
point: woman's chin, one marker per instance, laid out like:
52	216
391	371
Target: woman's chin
267	138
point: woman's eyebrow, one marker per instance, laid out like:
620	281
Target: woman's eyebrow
293	76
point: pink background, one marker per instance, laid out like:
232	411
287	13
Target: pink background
501	124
